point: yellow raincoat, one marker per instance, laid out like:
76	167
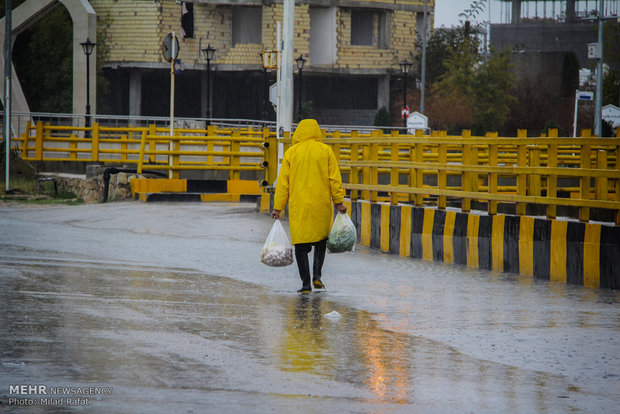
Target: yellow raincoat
310	181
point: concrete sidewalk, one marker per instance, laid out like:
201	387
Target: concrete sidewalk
168	307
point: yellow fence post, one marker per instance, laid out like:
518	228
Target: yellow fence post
26	135
270	157
365	172
176	158
152	143
521	175
584	183
141	154
123	147
493	156
38	145
72	147
394	153
211	133
94	154
354	177
534	187
235	159
374	171
336	146
442	175
466	184
419	171
552	179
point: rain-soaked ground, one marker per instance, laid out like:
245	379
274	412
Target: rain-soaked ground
165	308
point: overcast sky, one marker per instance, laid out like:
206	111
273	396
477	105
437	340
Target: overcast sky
447	11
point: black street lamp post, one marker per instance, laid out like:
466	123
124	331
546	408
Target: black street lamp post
404	68
300	65
208	53
88	47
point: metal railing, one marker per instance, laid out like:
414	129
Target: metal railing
581	173
549	171
214	148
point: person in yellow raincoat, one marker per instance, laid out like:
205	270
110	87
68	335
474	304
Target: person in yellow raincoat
310	182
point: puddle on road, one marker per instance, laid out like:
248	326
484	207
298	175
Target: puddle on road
162	337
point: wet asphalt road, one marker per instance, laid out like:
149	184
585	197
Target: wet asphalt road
165	308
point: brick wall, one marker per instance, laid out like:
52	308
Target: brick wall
138	27
134	33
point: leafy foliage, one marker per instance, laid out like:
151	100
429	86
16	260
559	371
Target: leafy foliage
47	44
382	117
473	90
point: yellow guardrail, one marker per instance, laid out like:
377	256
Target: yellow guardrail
233	150
549	170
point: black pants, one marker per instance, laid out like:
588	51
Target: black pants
301	256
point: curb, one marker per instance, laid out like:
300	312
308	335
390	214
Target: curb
586	254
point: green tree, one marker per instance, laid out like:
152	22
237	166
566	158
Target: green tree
382	117
43	61
492	99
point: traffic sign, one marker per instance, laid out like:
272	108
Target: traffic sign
170	43
416	121
585	95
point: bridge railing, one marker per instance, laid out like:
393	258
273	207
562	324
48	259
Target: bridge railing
487	172
231	149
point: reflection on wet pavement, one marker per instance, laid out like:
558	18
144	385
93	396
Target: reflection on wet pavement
171	340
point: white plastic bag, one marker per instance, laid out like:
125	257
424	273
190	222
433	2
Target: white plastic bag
343	235
277	250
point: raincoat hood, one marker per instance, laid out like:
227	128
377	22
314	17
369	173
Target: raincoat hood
307	129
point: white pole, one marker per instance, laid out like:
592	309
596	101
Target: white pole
170	146
599	76
279	92
423	75
575	115
8	67
287	65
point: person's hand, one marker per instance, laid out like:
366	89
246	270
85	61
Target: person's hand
275	214
341	208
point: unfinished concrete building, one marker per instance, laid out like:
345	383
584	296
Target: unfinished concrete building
351	50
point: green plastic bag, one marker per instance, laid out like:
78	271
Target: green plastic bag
343	235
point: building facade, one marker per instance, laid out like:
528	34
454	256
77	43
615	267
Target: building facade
352	48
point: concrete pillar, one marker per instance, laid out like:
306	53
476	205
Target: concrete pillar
84	26
135	92
516	11
570	10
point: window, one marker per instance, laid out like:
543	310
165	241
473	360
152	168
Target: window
371	28
247	25
362	25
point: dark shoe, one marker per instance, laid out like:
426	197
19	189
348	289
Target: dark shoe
318	284
305	289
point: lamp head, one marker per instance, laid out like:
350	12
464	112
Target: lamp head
300	62
208	52
405	66
88	46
